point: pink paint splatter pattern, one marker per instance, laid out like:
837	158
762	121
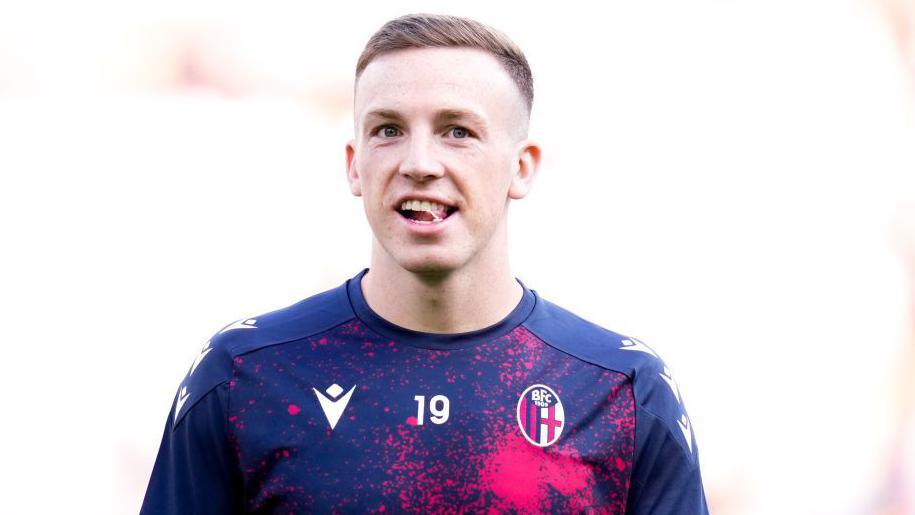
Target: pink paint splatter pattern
381	458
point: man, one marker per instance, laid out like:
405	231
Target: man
432	381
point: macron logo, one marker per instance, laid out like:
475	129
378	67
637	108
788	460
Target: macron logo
633	344
240	324
687	431
334	405
669	379
182	398
203	353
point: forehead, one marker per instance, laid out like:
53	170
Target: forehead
419	79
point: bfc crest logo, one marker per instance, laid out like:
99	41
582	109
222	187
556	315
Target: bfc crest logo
540	415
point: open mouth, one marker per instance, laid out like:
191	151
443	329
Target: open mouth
425	212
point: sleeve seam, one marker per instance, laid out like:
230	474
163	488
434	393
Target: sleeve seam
591	362
236	352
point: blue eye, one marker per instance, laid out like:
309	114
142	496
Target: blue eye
389	131
459	132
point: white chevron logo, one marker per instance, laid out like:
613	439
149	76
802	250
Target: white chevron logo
669	379
687	430
633	344
203	353
182	398
240	324
333	407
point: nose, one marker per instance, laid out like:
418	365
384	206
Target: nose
421	163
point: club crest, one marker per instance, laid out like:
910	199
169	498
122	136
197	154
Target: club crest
540	415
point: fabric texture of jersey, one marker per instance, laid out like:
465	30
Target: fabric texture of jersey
326	407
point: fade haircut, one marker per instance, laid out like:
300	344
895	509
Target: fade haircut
436	30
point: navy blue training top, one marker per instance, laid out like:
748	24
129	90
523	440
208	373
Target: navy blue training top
326	407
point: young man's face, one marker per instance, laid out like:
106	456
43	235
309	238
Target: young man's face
445	126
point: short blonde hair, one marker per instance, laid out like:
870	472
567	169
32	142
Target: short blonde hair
436	30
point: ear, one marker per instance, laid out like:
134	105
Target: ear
352	174
526	169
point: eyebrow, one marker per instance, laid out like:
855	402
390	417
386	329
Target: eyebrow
385	114
456	115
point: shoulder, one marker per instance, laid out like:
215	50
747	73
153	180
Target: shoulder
566	331
313	315
656	394
213	364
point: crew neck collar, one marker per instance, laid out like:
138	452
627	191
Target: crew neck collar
440	341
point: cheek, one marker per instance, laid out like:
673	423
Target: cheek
499	178
372	172
492	194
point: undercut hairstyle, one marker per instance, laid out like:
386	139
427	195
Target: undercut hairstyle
436	30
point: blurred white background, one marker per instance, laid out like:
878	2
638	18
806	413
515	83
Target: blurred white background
730	181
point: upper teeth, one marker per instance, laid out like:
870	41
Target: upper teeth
421	205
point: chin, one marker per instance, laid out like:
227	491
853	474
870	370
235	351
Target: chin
428	263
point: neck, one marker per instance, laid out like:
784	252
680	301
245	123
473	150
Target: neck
480	294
